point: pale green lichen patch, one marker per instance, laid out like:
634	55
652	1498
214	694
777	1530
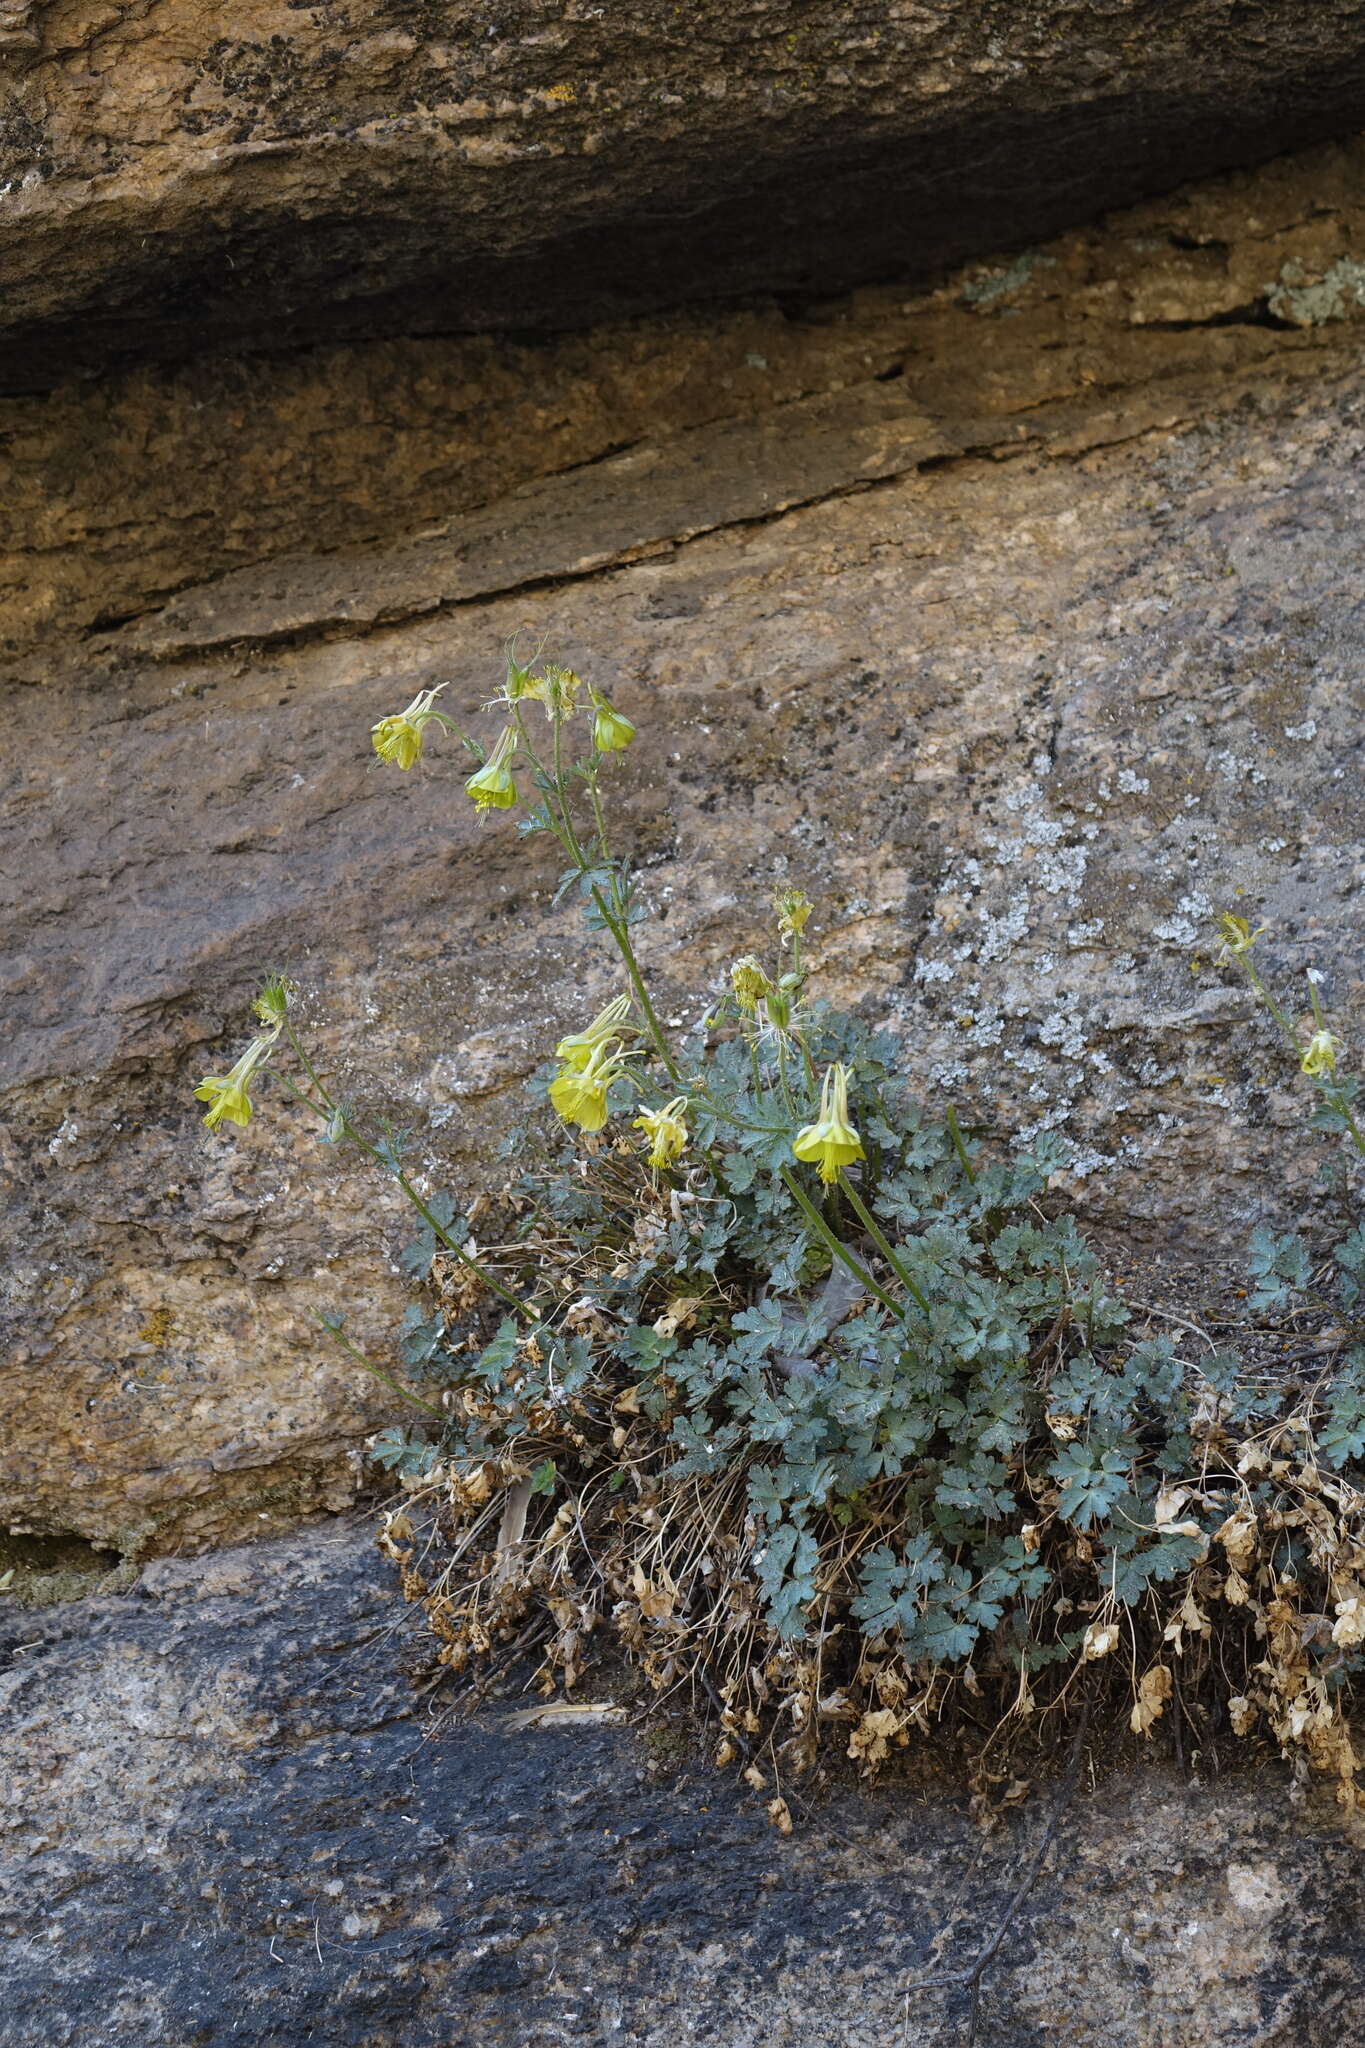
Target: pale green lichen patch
1313	302
986	287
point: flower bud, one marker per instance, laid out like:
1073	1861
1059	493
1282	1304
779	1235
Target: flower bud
611	731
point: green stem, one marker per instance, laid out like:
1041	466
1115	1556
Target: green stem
754	1067
1253	975
621	935
564	809
378	1371
800	1038
873	1229
301	1056
437	1230
835	1243
597	805
785	1084
958	1145
561	823
324	1111
1343	1107
1291	1038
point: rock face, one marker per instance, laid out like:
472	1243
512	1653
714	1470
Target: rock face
169	178
226	1817
1018	620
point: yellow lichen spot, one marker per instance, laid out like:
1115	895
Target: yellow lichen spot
157	1329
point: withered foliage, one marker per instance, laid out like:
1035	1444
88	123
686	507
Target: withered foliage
1161	1530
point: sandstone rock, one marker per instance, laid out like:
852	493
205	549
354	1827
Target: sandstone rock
1018	620
226	1816
170	178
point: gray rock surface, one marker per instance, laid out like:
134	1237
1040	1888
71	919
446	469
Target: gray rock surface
171	178
227	1817
1019	621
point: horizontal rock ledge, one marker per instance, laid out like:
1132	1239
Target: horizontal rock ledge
352	170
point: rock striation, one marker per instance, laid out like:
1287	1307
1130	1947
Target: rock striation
172	180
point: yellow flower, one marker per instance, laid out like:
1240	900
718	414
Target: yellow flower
750	984
578	1048
1321	1055
492	788
227	1094
399	739
580	1095
1238	937
610	730
793	908
831	1142
665	1130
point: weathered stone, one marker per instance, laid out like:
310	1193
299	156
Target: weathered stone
170	178
121	493
1057	652
225	1816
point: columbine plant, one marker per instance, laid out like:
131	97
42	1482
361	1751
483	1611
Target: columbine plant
793	1387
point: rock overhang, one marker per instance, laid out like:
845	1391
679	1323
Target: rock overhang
353	170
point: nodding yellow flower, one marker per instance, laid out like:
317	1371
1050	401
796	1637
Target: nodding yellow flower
665	1130
793	907
750	984
399	739
1320	1056
580	1094
227	1095
831	1142
578	1048
492	788
1238	937
611	731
